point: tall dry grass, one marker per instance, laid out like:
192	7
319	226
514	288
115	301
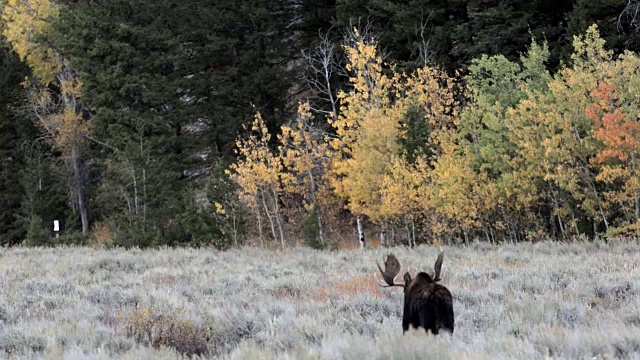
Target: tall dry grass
527	301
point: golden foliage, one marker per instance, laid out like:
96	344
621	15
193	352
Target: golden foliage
258	171
564	137
369	169
304	153
26	23
457	193
26	26
101	235
261	176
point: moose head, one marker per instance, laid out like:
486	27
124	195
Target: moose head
427	304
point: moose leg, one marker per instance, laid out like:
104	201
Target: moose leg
410	317
445	316
406	319
428	320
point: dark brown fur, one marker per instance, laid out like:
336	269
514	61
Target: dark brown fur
427	304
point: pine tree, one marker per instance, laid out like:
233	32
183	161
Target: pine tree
248	51
32	187
14	130
607	14
504	27
135	88
414	33
54	90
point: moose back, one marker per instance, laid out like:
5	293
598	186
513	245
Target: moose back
427	304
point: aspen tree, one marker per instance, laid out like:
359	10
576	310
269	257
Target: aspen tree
261	177
304	154
26	25
370	167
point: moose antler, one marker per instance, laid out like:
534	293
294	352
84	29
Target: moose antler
391	269
438	266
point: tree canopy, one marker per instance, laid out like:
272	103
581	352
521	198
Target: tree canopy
428	120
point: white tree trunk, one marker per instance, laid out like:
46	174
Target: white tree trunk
270	218
413	233
276	213
259	227
360	232
320	233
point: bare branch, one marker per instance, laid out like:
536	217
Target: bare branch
362	31
89	137
423	45
629	19
323	66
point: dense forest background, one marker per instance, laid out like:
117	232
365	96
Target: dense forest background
162	122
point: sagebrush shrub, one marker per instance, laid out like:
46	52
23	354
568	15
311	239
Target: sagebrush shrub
149	326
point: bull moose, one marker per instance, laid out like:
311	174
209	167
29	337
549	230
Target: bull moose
427	304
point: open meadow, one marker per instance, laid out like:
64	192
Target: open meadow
526	301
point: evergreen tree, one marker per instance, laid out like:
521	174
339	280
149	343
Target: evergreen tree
135	86
32	187
170	84
453	32
612	26
505	27
53	90
43	195
427	29
13	131
248	52
401	26
316	17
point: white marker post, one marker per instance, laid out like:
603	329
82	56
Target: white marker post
56	228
